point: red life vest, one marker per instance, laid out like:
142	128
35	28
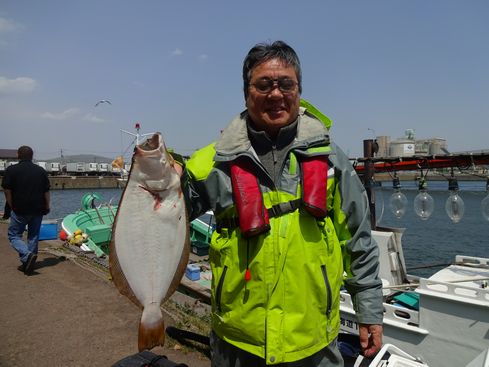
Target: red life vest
253	217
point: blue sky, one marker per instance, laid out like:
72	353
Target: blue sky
374	67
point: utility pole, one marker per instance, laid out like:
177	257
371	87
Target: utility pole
369	149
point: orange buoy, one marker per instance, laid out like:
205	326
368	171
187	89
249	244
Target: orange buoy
62	235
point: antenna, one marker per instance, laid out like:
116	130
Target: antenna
137	126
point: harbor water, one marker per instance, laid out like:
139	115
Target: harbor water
425	242
437	240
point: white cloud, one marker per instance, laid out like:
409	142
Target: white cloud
92	118
72	114
177	52
7	25
17	86
61	116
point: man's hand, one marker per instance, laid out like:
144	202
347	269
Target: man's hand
370	339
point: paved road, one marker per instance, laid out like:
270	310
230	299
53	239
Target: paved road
67	315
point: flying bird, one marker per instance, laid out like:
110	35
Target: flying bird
102	101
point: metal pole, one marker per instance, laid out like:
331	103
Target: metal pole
368	152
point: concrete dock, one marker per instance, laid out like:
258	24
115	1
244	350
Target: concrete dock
83	182
68	313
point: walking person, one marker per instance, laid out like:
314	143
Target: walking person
293	227
26	188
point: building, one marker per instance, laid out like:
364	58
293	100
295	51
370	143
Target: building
8	154
409	146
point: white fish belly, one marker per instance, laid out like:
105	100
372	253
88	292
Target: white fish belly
149	241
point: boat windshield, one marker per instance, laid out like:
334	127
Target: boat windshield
208	218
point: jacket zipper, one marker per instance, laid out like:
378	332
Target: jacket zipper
219	288
329	299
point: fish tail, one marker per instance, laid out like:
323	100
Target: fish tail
151	328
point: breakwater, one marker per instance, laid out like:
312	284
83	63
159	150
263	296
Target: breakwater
84	182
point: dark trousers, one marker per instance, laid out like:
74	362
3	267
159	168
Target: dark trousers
227	355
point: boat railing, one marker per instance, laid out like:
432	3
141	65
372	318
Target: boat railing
454	291
395	315
472	261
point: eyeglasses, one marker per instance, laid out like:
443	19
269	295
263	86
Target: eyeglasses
266	85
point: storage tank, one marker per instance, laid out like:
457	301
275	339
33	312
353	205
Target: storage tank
438	146
402	148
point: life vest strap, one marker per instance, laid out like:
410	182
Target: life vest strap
275	211
284	208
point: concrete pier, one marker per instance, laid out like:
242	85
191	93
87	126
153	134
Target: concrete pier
83	182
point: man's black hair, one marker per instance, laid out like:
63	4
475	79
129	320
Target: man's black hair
263	52
25	153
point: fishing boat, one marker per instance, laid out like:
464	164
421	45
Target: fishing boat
201	230
95	219
442	320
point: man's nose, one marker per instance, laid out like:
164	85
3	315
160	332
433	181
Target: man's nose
276	92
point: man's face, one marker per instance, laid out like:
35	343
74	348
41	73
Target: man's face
275	109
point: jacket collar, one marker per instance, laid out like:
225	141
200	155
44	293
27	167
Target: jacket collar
262	141
234	139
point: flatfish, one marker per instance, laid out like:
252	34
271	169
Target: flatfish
150	240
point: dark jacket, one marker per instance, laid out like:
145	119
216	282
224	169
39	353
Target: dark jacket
28	183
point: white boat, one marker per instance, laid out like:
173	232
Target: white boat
388	356
442	320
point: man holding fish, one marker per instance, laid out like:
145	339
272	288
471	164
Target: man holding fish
293	227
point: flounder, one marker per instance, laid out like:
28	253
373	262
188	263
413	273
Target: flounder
150	240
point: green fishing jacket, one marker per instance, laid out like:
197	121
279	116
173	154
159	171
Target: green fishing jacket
289	308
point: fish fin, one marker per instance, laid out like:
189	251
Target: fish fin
182	265
115	269
151	328
118	277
